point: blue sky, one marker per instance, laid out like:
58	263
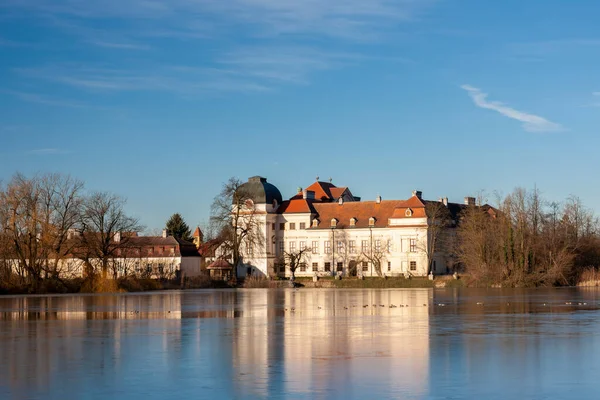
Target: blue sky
162	101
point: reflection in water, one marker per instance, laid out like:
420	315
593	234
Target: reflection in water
319	343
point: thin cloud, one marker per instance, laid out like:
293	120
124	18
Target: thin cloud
121	46
531	122
42	99
47	151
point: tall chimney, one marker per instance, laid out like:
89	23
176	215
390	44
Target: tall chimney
445	200
418	194
378	199
469	201
165	233
117	237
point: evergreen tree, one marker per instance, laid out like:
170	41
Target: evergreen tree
177	227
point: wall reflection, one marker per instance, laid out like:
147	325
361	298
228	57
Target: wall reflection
299	343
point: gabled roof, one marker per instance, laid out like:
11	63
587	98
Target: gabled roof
296	205
197	232
322	190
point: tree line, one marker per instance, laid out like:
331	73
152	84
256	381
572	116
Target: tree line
526	240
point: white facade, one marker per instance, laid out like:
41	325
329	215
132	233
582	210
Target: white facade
350	243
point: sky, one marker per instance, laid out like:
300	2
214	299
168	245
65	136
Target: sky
162	101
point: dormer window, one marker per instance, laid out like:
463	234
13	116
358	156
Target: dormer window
372	221
408	212
352	221
315	223
333	222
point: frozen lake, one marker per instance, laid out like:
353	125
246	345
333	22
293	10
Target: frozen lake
307	343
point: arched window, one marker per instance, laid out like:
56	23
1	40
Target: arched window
353	221
408	212
315	223
372	221
333	222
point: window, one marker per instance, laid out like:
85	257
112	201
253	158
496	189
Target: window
408	212
292	226
413	265
282	226
302	225
315	247
249	249
292	246
281	246
340	247
273	226
365	266
302	245
315	223
372	221
378	245
413	245
315	267
364	246
389	265
149	268
327	266
302	267
352	221
340	266
352	246
434	266
333	222
389	246
161	268
327	247
282	268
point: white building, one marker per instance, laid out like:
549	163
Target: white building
344	234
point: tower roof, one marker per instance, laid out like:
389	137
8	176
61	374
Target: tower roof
260	191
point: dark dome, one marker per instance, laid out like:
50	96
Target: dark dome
260	191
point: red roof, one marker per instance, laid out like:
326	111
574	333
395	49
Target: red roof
296	205
322	190
364	210
219	264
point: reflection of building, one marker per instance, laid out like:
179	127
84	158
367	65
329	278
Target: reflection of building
344	234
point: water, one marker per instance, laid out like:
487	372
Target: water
434	344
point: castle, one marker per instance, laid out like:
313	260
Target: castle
339	234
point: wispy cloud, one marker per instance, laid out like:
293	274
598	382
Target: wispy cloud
122	46
43	99
47	151
531	122
286	42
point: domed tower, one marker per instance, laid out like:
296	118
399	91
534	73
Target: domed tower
261	201
262	192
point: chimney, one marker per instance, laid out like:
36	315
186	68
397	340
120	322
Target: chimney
469	201
299	190
378	199
340	201
445	201
308	194
417	193
165	233
117	237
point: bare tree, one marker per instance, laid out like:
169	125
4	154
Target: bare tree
104	231
376	254
295	258
438	223
234	216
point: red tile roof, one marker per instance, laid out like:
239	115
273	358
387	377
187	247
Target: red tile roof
322	190
363	210
296	205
